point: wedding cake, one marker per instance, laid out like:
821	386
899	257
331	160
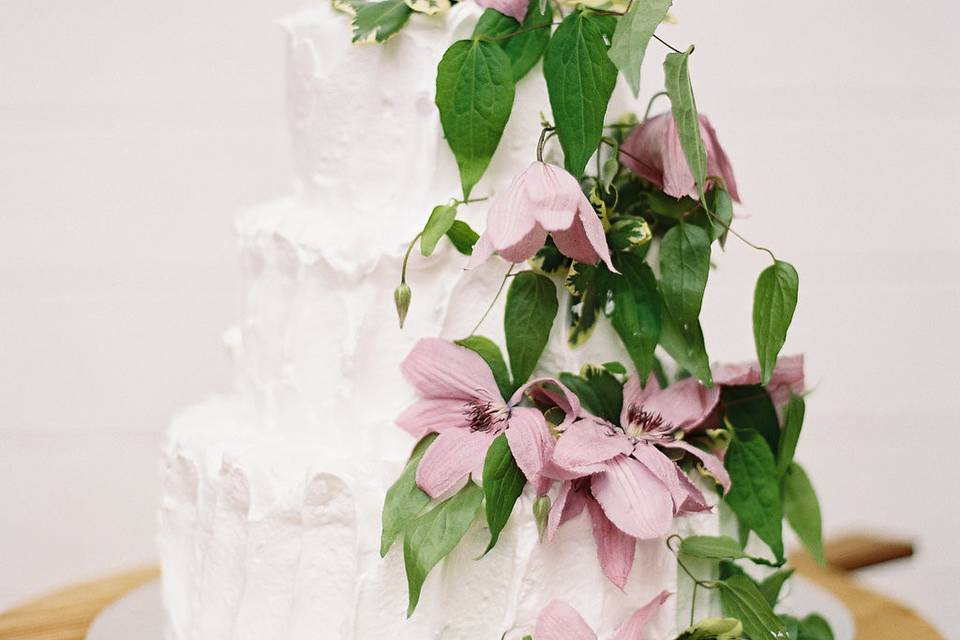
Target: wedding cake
280	502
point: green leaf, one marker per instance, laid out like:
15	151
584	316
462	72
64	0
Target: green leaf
774	302
773	583
615	367
462	237
685	346
792	425
607	392
404	499
750	407
630	235
791	624
524	49
636	315
814	627
741	600
755	487
589	293
490	352
530	310
378	21
580	80
721	206
475	96
712	547
438	224
684	268
802	509
677	72
633	32
583	391
432	536
503	482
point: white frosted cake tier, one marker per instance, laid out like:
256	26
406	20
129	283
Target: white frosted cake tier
273	537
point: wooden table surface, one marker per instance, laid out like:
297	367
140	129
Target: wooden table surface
68	613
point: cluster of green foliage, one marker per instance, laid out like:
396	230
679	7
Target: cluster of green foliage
651	305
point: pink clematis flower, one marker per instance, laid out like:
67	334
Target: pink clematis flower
516	9
543	199
461	402
653	152
621	474
787	377
560	621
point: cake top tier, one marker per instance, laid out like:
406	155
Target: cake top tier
369	148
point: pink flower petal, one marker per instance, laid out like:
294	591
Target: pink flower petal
559	621
454	454
574	243
546	389
685	404
509	219
633	628
526	247
718	164
663	468
516	9
640	152
432	414
653	152
711	462
678	181
695	502
530	441
633	498
787	378
615	549
440	369
587	445
566	506
551	195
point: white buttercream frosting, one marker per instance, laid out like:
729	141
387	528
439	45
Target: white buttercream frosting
269	536
270	519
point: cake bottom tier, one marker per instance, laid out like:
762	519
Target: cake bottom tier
265	537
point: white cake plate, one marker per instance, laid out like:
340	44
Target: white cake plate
139	614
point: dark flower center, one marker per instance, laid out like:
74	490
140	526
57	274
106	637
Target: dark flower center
647	425
484	416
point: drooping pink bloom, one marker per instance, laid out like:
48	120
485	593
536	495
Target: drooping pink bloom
516	9
620	473
560	621
543	199
653	151
461	402
787	377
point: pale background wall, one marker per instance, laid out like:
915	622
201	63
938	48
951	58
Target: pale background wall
131	131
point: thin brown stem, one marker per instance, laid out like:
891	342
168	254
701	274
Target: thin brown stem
503	283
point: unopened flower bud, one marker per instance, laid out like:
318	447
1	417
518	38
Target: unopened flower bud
541	511
714	629
401	296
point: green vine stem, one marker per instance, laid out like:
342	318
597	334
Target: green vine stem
406	258
646	114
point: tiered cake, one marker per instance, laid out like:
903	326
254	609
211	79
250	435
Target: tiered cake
270	522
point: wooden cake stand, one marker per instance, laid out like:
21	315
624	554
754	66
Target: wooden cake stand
67	614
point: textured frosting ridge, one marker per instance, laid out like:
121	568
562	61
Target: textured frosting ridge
270	519
265	536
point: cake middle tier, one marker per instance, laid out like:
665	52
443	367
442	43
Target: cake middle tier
266	536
